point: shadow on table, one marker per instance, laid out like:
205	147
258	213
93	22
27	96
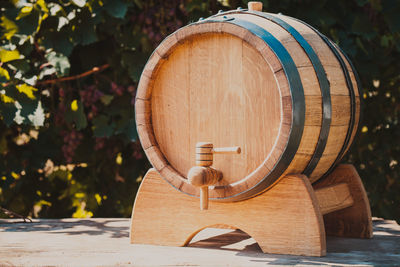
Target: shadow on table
227	241
65	226
384	226
382	250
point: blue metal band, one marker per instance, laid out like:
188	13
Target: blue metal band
350	130
359	88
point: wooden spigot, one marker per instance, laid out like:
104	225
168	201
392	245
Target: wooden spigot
203	175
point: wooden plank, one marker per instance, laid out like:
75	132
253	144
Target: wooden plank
170	96
333	198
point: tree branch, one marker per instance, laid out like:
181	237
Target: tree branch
13	214
75	77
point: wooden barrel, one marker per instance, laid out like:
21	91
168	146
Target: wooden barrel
268	83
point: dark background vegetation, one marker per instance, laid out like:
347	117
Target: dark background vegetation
69	147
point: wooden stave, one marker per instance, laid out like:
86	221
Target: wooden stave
231	198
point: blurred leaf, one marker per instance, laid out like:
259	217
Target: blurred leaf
26	48
60	62
8	111
59	41
28	22
38	117
28	107
6	55
25	11
42	4
9	28
106	99
85	32
74	105
4	76
20	64
77	116
47	71
116	8
27	90
79	3
135	63
101	127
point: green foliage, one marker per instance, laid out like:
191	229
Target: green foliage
69	147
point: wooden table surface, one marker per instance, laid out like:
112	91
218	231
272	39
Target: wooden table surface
105	242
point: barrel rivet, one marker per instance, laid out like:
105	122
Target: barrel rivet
200	19
220	11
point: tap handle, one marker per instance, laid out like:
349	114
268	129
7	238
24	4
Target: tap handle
206	150
202	175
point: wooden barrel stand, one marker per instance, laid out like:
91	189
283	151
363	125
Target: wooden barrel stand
280	103
293	217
